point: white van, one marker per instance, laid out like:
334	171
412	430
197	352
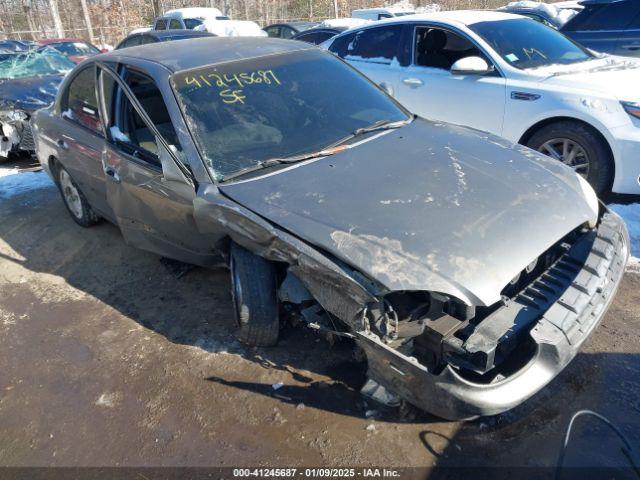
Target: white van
187	18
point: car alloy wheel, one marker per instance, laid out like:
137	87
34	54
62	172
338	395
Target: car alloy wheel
70	194
568	152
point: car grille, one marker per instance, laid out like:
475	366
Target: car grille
27	142
570	294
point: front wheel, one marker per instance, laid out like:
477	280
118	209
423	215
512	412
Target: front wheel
579	147
74	200
255	301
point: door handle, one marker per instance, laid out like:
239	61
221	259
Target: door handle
413	82
62	144
112	174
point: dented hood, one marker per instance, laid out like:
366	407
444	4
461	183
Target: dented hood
426	207
29	93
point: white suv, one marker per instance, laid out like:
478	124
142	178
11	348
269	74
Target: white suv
513	77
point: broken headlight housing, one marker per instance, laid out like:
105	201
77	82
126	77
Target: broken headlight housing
13	116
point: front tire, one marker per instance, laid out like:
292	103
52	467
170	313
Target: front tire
255	301
579	147
75	201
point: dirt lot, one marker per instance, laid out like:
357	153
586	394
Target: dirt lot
109	359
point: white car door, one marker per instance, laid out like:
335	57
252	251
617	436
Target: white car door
428	88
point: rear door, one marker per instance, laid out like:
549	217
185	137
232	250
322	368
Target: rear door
601	26
81	140
151	199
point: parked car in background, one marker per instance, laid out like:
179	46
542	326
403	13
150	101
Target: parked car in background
15	45
28	81
187	18
288	30
609	26
514	77
74	49
542	12
155	36
381	13
468	269
318	35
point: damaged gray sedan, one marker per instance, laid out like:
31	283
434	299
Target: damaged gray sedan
468	269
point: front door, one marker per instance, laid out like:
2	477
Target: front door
154	213
428	88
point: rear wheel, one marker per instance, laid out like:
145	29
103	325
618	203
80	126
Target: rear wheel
74	200
579	147
254	293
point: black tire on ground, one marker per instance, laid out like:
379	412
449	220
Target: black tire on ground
255	301
601	165
73	198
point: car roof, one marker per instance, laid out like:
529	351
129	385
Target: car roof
176	32
197	52
462	17
296	24
48	41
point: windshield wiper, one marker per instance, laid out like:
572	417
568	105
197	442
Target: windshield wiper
330	150
381	125
283	161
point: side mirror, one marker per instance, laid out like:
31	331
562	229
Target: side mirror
471	66
170	170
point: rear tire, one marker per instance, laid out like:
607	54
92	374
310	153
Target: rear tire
255	301
585	151
75	201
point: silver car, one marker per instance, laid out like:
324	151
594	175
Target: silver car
468	269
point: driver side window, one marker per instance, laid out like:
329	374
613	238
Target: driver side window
440	48
129	131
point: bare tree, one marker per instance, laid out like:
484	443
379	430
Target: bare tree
87	19
57	21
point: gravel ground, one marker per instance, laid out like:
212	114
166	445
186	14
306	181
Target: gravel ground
108	359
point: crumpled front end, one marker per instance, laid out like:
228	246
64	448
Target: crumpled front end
552	316
15	133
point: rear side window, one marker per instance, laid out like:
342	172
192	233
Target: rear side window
314	38
376	45
80	102
131	42
273	32
287	32
175	24
609	16
191	23
161	24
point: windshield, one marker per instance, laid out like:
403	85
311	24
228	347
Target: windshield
44	62
75	48
525	43
243	113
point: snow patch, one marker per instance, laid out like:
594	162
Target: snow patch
631	216
13	182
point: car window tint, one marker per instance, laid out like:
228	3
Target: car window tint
175	24
131	42
378	45
339	45
191	23
81	105
145	39
273	32
438	48
129	129
287	32
308	37
609	16
161	24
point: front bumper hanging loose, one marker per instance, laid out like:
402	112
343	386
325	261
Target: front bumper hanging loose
558	334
